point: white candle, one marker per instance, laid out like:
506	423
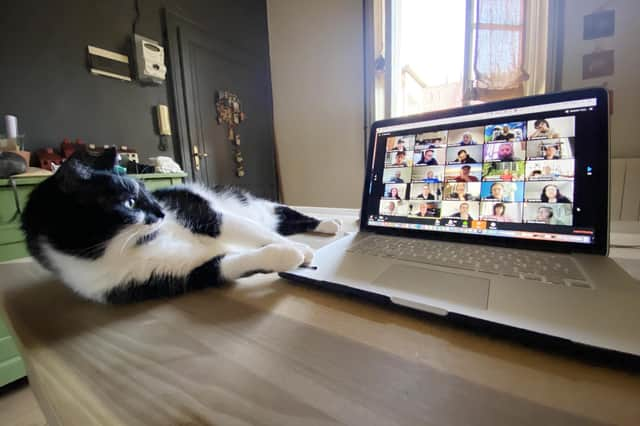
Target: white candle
11	124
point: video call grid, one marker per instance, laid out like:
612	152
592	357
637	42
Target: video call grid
518	178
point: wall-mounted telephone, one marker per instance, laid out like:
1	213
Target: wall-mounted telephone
164	126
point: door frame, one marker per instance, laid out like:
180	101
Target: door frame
179	33
182	147
178	61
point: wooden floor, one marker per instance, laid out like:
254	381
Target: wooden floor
18	406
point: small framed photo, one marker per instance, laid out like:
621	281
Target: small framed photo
597	64
599	24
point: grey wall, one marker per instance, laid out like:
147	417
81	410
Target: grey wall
625	83
317	70
44	79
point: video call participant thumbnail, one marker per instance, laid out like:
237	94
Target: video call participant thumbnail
502	171
398	159
549	192
395	191
400	143
550	170
428	157
466	155
396	175
426	191
393	208
465	210
549	128
550	149
428	174
505	132
429	144
548	214
462	191
466	137
431	140
510	192
463	173
501	212
505	151
426	209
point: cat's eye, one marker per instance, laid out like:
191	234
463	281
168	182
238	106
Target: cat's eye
130	203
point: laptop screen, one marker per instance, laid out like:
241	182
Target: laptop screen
521	169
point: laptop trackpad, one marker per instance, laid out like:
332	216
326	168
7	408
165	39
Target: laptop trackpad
449	287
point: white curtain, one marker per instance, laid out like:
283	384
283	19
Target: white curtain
536	46
500	44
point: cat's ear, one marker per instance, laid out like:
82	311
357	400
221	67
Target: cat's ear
72	174
106	160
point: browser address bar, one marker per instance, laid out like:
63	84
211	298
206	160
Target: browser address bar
581	103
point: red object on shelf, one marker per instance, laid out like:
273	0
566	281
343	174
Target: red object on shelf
46	157
66	148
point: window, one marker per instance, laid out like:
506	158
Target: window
431	54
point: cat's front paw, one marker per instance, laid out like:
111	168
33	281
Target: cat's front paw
282	257
329	226
307	251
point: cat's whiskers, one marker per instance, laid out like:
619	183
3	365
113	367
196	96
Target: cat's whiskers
126	241
91	249
156	226
149	229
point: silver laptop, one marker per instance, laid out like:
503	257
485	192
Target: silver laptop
497	212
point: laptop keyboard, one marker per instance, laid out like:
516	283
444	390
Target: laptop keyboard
545	268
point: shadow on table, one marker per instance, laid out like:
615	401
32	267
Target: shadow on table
43	311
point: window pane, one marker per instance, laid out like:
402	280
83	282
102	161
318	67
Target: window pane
498	52
428	55
503	12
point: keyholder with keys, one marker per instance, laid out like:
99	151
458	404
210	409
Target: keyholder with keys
230	115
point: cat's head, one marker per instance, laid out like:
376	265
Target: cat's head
85	205
89	180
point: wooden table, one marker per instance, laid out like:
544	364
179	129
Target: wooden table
264	351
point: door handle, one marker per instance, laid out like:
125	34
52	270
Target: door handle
197	155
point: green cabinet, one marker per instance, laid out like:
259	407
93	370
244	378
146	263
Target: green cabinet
11	364
12	246
11	239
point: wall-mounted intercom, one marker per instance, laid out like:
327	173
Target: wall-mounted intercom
149	58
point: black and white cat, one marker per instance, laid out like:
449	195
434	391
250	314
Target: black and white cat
112	241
